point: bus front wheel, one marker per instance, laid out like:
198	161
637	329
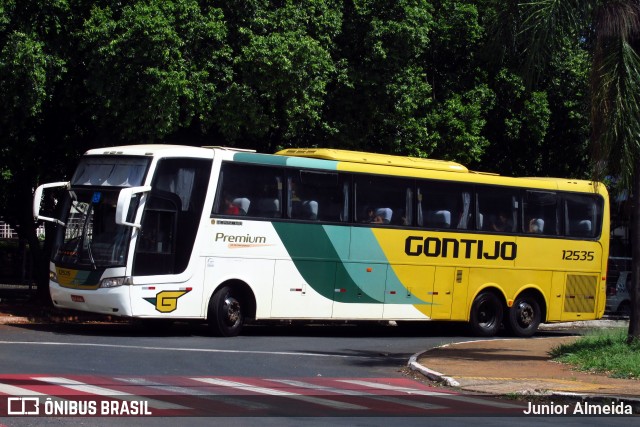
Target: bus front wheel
226	312
486	315
524	316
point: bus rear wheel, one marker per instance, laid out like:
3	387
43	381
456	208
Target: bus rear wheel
486	315
226	312
524	316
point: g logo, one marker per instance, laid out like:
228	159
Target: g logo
166	301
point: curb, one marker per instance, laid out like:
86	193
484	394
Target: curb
429	373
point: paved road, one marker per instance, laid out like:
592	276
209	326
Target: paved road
119	349
279	375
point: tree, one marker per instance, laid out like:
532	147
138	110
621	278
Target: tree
611	28
530	126
32	68
282	68
151	68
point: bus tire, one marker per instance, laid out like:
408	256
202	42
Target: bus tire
525	316
226	312
486	315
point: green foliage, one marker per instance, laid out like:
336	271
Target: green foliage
568	94
23	77
282	68
381	101
520	122
604	351
617	99
153	67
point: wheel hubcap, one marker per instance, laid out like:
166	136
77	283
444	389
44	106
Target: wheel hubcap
232	310
526	314
486	314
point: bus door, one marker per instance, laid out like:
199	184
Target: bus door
556	296
450	293
166	238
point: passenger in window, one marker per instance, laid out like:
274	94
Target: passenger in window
229	207
370	215
501	222
535	225
382	216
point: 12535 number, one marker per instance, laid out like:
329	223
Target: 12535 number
578	255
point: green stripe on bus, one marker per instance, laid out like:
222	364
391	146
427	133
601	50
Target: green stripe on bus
321	255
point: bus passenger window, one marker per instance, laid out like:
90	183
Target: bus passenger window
254	191
499	208
581	213
316	195
383	200
443	205
540	212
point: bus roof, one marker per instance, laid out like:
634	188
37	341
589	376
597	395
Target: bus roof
355	161
374	159
439	166
168	150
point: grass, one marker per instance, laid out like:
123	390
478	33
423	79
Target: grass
603	351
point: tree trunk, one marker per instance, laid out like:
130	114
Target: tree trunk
634	224
39	261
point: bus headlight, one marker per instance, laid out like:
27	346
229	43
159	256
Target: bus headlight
53	276
113	282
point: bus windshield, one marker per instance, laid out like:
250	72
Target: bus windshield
91	237
114	171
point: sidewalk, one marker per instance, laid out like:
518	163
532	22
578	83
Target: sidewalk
518	367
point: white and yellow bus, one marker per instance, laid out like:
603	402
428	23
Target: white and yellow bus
226	235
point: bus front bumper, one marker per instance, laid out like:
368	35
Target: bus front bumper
113	301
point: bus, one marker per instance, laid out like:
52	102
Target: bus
226	235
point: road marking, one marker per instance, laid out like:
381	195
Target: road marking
18	391
275	392
208	394
349	392
102	391
195	350
408	390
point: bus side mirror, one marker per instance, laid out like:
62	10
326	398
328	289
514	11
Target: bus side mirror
124	201
37	201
